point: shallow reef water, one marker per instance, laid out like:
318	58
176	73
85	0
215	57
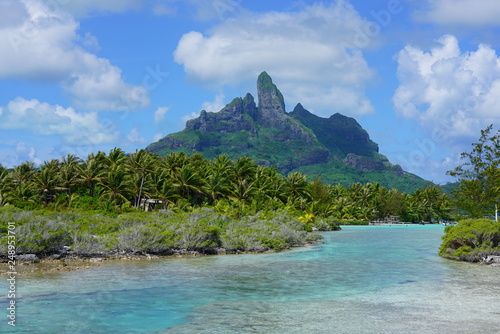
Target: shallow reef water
363	279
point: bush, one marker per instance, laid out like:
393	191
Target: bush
327	224
147	238
42	237
471	240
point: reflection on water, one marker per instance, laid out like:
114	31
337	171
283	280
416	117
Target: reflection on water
371	279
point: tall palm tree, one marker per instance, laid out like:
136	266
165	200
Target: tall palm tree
243	169
296	187
69	172
6	185
174	161
23	173
188	182
143	163
242	191
91	171
46	180
116	185
116	157
162	188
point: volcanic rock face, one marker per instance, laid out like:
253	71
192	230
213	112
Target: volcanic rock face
271	103
271	136
234	117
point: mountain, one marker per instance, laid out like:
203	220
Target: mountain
337	148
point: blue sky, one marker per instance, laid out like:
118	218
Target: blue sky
422	77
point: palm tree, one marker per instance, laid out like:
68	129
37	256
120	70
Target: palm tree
116	185
69	173
23	173
116	157
174	161
243	169
188	183
296	187
5	185
242	191
143	163
46	180
162	188
217	185
90	171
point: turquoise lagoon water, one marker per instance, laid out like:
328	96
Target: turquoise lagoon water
364	279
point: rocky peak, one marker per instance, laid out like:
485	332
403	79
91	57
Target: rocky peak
231	118
300	111
249	106
271	110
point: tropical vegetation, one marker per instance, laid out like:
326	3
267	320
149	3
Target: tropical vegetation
477	196
471	240
99	203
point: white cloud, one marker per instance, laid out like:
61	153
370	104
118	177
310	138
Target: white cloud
45	119
12	13
461	12
160	113
134	137
26	153
451	94
157	137
215	105
42	48
192	115
314	54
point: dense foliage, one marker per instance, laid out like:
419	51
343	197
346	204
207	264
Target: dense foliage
203	230
117	182
471	240
477	196
98	204
479	176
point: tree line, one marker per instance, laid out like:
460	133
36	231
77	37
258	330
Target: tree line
117	181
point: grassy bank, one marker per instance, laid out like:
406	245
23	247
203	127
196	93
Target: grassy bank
66	234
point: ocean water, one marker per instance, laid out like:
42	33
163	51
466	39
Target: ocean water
363	279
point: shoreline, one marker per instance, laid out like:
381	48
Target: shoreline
75	262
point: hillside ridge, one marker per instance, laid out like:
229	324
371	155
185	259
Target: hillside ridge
290	141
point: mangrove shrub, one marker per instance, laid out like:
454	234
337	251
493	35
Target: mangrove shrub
471	240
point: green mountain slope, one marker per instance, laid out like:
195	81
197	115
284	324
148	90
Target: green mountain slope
336	149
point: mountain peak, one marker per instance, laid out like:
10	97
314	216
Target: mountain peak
336	148
271	101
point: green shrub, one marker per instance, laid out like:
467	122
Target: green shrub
471	240
41	237
147	238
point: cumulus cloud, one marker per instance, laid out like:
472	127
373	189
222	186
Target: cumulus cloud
190	116
134	137
160	113
12	12
26	153
42	47
158	136
216	105
46	119
462	12
452	94
315	54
